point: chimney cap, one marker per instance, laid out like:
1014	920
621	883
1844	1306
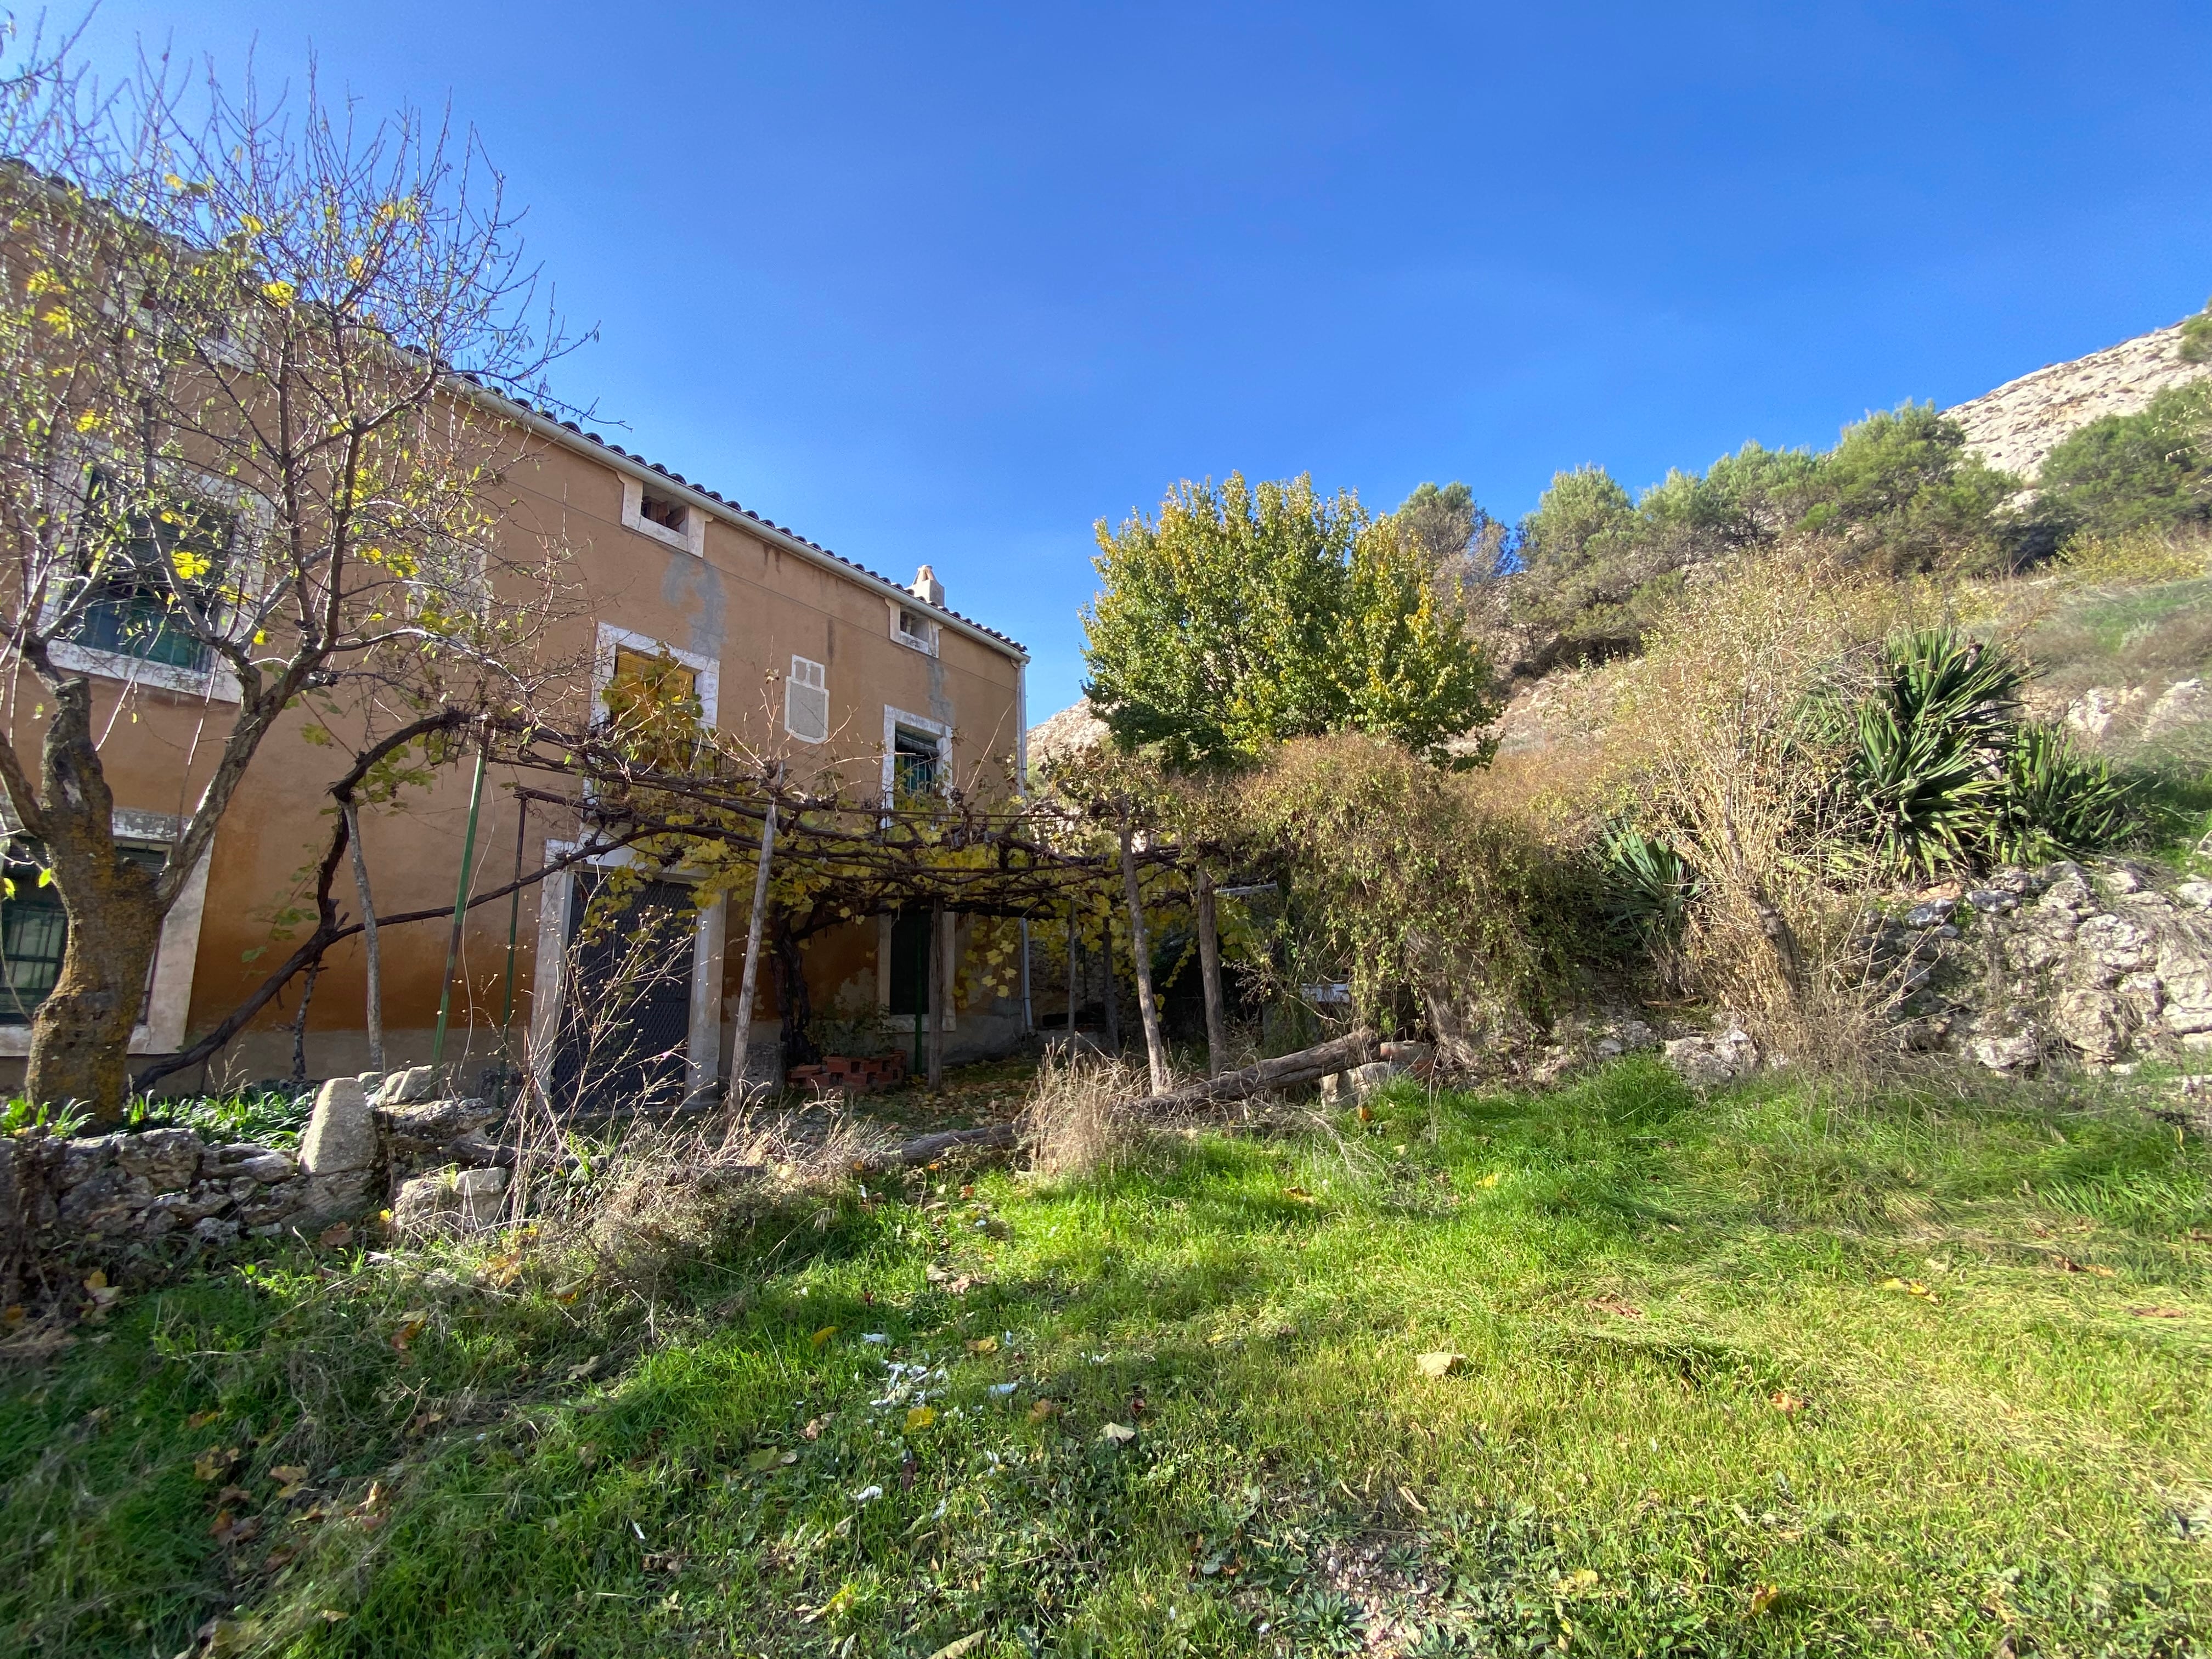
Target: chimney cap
927	588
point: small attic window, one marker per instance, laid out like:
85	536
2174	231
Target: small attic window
912	626
668	513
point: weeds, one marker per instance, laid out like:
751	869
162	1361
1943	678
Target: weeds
1778	1370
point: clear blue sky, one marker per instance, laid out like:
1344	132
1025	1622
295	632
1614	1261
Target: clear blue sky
948	282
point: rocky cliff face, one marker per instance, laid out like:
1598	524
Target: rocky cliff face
2022	422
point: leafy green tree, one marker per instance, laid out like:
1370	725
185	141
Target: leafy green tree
1902	490
1246	615
2152	469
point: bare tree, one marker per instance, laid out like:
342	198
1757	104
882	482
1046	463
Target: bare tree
250	452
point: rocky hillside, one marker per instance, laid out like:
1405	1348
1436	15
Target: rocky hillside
2015	426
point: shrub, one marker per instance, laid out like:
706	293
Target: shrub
2123	473
1646	889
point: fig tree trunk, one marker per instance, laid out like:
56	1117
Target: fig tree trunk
81	1035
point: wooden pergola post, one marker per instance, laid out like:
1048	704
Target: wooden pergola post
940	990
1209	973
1156	1051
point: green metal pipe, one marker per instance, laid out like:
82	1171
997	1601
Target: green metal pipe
460	905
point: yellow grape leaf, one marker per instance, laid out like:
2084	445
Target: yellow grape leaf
411	1325
201	1420
984	1344
822	1337
1763	1597
215	1462
920	1417
1443	1363
1044	1411
1490	1180
1787	1403
289	1477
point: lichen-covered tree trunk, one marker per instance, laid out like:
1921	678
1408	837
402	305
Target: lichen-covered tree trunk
81	1035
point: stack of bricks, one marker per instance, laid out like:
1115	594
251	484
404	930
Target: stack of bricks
846	1074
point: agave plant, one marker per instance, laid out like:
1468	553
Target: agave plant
2059	803
1926	774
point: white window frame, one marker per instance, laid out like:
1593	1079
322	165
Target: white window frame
691	540
707	676
920	725
161	1027
256	522
806	674
927	641
702	1054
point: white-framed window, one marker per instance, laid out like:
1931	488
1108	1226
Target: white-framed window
198	527
911	626
917	755
620	651
806	701
658	512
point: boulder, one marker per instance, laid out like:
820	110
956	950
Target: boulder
341	1136
417	1083
415	1136
2091	1022
2006	1054
447	1202
1706	1062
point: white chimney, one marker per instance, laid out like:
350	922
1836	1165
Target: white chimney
927	588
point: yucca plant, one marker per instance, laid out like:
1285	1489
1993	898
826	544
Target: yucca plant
1649	888
2060	803
1926	775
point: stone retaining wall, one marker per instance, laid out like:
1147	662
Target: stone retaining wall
157	1196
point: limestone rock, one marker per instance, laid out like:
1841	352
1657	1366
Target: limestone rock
166	1159
2091	1021
447	1202
2009	1054
1706	1062
417	1083
341	1134
416	1135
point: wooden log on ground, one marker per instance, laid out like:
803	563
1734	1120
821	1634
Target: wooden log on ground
924	1148
1307	1064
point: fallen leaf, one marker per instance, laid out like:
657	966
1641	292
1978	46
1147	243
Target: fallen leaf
201	1420
983	1345
2068	1264
1301	1194
411	1325
422	1422
920	1418
289	1478
963	1285
230	1495
965	1646
1909	1286
815	1424
1044	1411
96	1280
1367	1115
332	1614
2160	1313
215	1462
12	1315
1117	1434
1490	1180
1615	1305
278	1556
764	1460
578	1373
335	1237
821	1338
1763	1597
1442	1363
1789	1404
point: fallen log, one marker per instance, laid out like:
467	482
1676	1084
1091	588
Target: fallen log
1306	1066
922	1149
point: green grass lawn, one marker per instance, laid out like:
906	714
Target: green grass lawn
1759	1374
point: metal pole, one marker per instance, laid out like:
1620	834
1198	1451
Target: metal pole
460	902
514	913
